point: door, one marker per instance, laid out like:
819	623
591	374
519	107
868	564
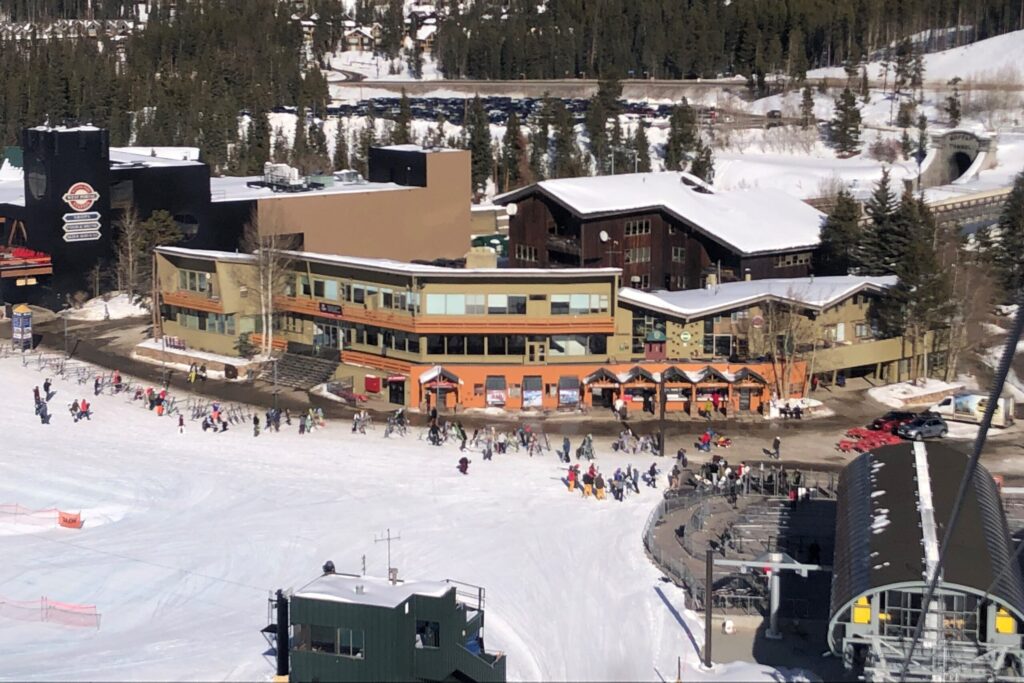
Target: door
396	392
535	351
327	336
745	399
840	332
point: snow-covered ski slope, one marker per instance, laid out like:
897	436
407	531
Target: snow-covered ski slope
185	535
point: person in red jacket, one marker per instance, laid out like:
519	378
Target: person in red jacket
571	478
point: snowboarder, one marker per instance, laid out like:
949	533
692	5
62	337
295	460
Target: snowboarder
255	425
84	410
464	464
181	423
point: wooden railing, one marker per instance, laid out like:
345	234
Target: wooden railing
198	302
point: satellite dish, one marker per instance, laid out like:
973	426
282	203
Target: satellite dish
603	235
512	209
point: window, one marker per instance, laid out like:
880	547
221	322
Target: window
495	345
787	260
645	326
435	304
638	255
516	345
331	290
387	298
358	294
476	304
475	345
193	281
499	304
525	252
435	344
428	633
413	344
736	316
323	639
351	642
571	304
863	330
678	254
455	304
517	305
478	389
672	229
638	227
304	287
456	344
645	281
598	303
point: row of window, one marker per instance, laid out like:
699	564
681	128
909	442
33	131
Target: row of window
382	297
638	255
638	227
578	304
217	323
786	260
195	281
475	304
514	344
346	642
525	252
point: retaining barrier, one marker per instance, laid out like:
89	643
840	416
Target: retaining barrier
51	611
12	513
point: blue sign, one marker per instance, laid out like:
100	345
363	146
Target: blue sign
21	330
81	217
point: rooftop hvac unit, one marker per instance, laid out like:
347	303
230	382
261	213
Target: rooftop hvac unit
281	175
349	177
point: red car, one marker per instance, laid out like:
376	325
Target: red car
892	420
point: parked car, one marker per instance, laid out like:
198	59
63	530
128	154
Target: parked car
774	114
891	420
924	427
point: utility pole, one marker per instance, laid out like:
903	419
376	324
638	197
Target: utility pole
275	384
387	538
709	559
662	399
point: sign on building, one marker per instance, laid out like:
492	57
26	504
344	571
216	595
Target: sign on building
82	225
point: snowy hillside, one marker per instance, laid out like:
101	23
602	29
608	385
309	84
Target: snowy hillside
994	60
186	535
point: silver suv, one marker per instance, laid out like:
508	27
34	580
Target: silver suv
924	427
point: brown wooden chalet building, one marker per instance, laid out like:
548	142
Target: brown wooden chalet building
665	230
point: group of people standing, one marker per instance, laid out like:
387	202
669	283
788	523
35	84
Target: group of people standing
592	482
196	373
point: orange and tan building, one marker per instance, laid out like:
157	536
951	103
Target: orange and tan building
519	339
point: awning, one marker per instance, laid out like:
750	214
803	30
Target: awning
437	372
638	373
440	384
602	376
395	379
747	373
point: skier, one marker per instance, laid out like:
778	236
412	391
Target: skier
464	464
460	432
599	486
44	413
488	448
255	425
97	386
202	373
302	426
46	388
84	410
193	372
634	478
181	423
652	475
117	381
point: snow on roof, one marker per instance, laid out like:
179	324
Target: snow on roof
814	292
749	221
371	590
236	188
172	153
206	254
392	266
424	32
144	156
64	129
12	184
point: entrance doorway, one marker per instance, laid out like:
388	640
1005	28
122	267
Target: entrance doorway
536	351
396	391
328	336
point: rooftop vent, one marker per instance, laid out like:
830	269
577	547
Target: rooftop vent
328	567
360	589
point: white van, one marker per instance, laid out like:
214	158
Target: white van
971	408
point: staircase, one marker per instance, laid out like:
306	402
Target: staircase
300	372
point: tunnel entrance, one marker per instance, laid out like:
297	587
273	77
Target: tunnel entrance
959	162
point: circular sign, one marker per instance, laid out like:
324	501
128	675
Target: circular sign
685	336
757	322
81	197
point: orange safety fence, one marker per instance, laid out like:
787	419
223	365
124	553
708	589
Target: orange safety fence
50	611
13	513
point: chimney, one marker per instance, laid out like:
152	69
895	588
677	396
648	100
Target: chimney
712	281
482	257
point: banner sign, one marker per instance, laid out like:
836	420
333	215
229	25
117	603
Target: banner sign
68	520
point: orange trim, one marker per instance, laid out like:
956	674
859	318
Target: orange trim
25	272
474	324
392	365
196	302
278	344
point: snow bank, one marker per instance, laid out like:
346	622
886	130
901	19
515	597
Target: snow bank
115	307
910	393
993	60
199	528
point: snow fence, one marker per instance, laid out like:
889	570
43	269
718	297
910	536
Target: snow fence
50	611
12	513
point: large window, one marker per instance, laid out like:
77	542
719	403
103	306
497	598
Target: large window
325	289
787	260
638	227
678	254
511	304
525	252
217	323
643	327
347	642
456	304
428	634
476	304
578	304
577	345
638	255
195	281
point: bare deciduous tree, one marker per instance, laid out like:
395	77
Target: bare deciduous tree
786	335
271	272
127	247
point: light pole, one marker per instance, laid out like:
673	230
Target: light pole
275	384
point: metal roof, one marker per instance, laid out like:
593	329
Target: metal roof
880	539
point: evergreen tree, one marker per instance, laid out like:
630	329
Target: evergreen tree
436	139
478	134
596	122
259	142
540	141
845	124
865	85
1007	244
414	60
703	165
341	160
796	55
566	161
953	103
401	134
806	108
875	257
299	147
682	136
392	29
367	139
642	148
922	136
514	166
906	144
617	150
840	237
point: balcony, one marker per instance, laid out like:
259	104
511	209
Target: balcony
17	262
195	300
564	245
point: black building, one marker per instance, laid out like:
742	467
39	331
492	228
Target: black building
74	189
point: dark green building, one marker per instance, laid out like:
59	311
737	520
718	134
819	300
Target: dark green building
359	628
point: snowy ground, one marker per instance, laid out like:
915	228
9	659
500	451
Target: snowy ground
378	68
185	535
116	307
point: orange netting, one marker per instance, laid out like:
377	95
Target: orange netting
50	611
13	513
